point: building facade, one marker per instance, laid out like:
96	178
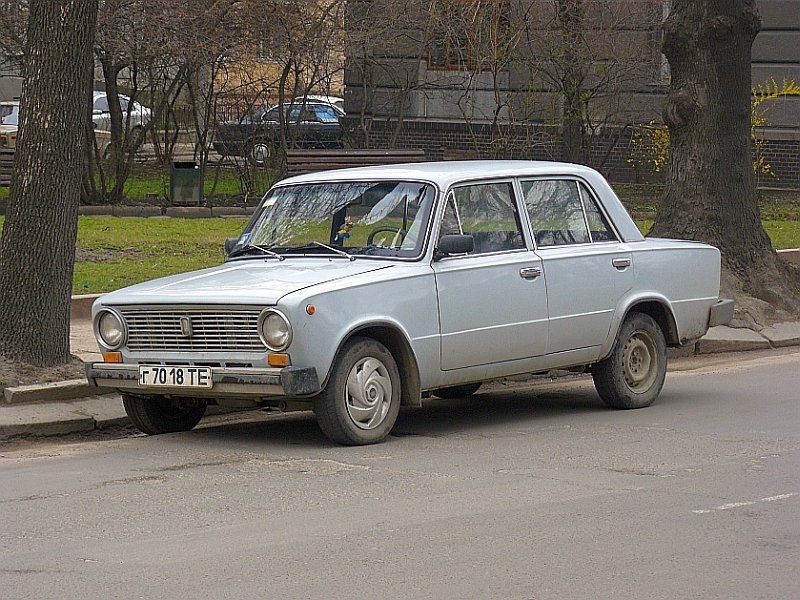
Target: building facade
542	79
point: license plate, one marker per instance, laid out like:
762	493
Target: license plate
183	377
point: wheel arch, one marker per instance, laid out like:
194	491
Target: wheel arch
656	307
397	343
662	314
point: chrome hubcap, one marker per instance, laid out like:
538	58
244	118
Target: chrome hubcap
260	153
640	365
369	393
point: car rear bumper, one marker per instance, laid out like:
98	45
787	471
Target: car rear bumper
227	381
721	312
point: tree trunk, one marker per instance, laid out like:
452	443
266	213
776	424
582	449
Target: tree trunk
570	22
37	248
711	194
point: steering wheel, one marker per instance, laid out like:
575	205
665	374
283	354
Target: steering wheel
395	230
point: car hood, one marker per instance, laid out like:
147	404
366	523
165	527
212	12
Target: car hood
250	281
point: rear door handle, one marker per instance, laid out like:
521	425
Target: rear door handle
621	263
530	272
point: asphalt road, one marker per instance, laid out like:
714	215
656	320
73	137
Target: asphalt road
518	493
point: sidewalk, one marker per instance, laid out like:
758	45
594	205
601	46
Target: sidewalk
74	407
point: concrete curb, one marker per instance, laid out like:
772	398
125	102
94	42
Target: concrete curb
56	391
183	212
61	418
80	416
731	339
81	307
790	255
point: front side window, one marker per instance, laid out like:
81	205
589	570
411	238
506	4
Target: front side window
272	115
488	213
370	219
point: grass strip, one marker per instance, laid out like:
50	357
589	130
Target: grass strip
114	252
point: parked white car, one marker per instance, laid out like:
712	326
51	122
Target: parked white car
9	123
101	115
356	291
333	100
9	129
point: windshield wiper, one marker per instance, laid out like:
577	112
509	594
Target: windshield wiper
314	243
263	249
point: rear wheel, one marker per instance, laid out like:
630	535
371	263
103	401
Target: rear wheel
154	415
457	391
360	404
633	374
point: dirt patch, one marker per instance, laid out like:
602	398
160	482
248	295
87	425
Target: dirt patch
83	255
14	373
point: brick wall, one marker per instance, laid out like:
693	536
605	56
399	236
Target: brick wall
609	152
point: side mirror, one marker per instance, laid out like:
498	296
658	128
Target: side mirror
453	243
230	244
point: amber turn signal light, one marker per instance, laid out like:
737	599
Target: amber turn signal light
278	360
112	357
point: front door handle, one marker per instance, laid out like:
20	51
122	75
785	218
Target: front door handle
621	263
530	272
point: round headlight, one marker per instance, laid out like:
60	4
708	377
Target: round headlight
111	329
275	330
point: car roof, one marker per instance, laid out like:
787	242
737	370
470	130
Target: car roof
446	173
318	98
97	94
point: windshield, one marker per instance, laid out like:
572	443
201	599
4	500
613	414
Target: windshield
8	114
382	219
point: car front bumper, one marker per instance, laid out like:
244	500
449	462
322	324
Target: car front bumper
231	382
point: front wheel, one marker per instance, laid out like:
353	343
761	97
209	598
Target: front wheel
259	153
154	415
633	374
360	404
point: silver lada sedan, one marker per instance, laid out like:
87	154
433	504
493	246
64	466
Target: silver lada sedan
356	291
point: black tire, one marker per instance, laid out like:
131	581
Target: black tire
633	374
364	411
154	415
457	391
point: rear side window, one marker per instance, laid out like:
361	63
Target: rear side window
563	212
599	227
488	213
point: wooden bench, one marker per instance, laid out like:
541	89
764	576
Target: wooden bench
6	165
299	162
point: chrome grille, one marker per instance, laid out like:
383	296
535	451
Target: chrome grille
211	330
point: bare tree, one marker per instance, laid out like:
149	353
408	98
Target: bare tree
37	248
584	61
711	193
13	23
385	46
